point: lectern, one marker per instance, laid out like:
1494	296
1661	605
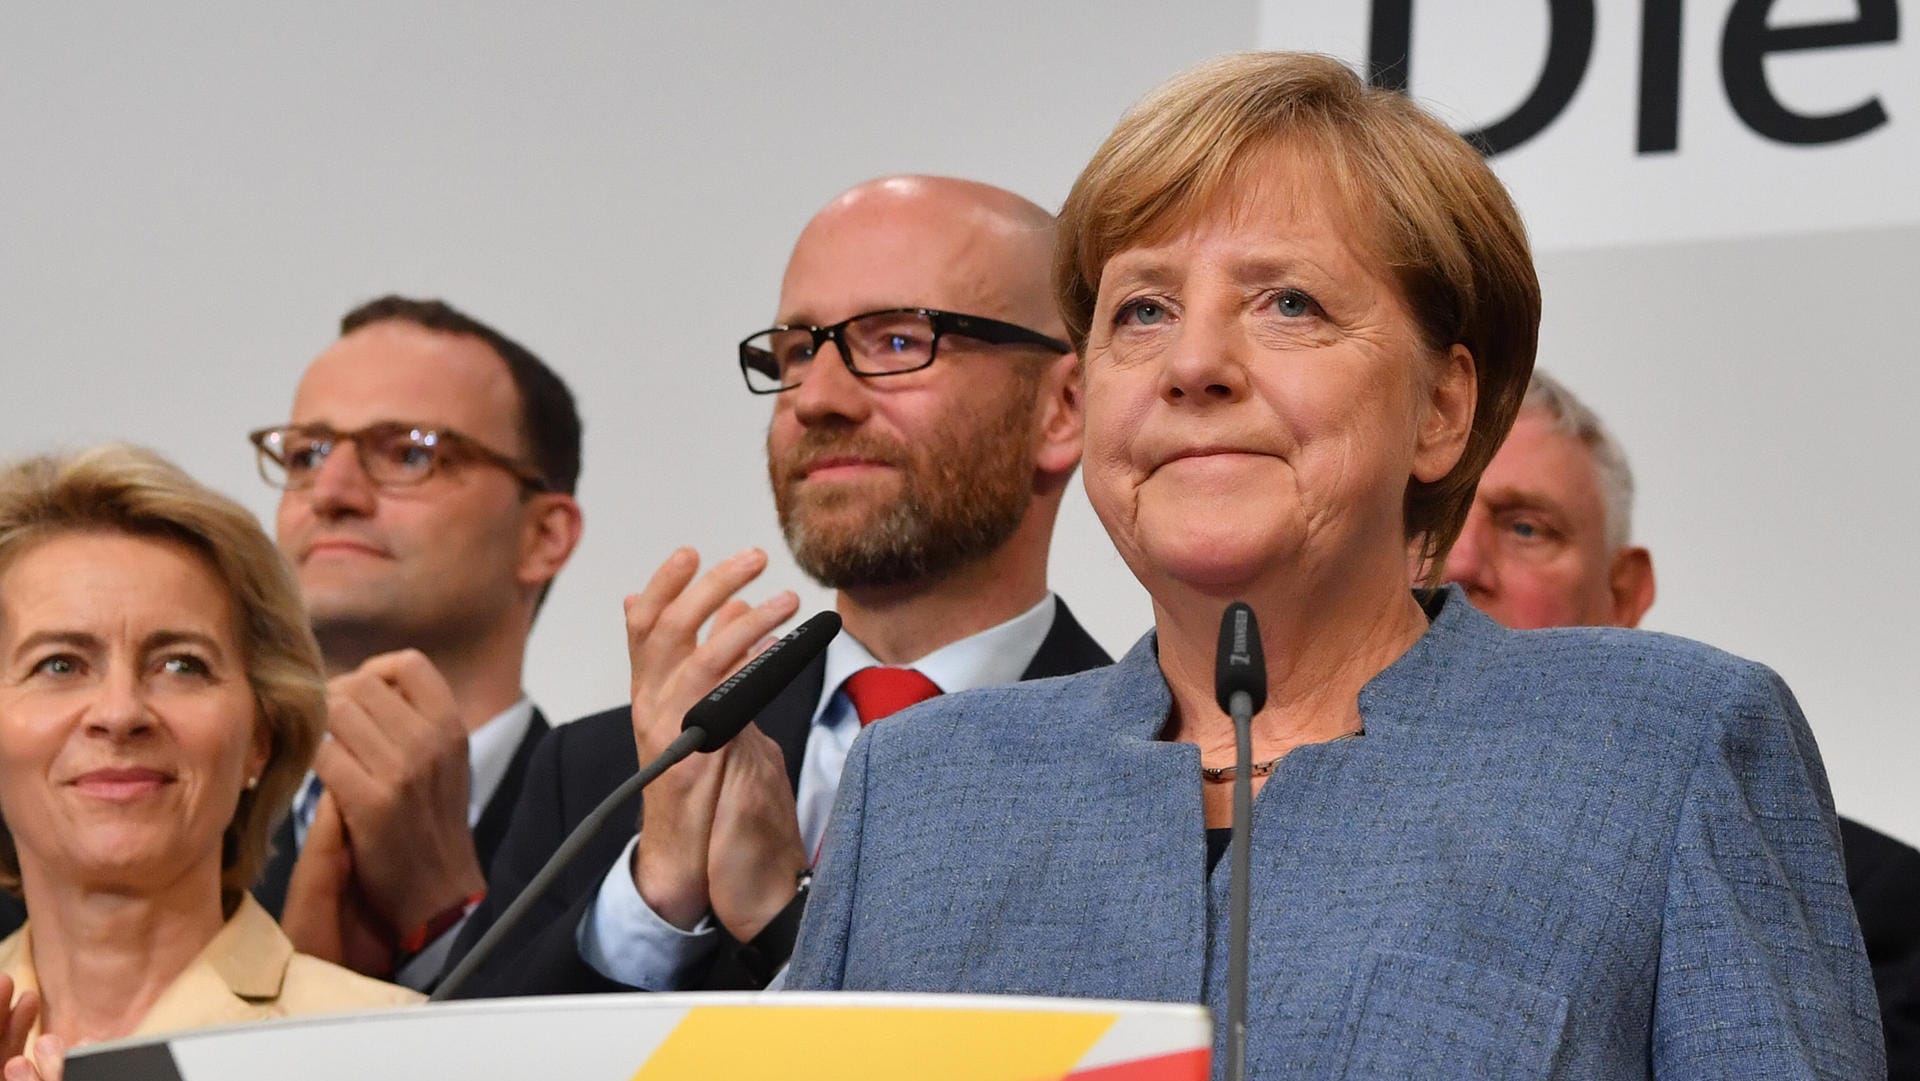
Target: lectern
702	1037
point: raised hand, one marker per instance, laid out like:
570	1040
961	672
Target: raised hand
671	671
397	766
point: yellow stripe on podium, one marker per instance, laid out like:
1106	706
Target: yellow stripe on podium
874	1044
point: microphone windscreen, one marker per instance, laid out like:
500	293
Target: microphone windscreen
734	704
1240	665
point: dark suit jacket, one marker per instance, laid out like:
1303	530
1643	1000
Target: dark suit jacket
1883	876
575	768
271	890
13	913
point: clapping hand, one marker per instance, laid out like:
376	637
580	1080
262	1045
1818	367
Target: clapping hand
672	670
326	915
396	775
756	855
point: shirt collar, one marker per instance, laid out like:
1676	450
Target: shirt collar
490	749
1000	654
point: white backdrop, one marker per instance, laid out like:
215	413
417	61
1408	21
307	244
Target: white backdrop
191	199
1738	309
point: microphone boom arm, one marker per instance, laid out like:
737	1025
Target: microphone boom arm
708	726
683	745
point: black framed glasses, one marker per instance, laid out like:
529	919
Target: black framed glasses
890	342
391	453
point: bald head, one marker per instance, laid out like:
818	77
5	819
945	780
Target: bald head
924	242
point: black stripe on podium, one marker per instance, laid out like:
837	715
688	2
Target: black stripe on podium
145	1062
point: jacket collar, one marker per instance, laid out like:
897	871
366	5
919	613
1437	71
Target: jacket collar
235	978
250	954
1137	701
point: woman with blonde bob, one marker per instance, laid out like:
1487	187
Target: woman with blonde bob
160	698
1307	314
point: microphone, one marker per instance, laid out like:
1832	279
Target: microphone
1241	667
1240	686
729	708
708	726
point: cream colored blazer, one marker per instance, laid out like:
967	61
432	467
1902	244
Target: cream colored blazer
249	972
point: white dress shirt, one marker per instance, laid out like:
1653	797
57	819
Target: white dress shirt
623	939
490	750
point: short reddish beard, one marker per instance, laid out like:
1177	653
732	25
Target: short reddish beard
965	490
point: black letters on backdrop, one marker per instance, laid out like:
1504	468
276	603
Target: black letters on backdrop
1743	54
1569	47
1744	47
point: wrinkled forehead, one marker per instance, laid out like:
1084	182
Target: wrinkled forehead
396	371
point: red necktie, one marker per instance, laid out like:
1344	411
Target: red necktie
882	692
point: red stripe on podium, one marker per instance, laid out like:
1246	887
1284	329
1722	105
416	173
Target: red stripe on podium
1180	1066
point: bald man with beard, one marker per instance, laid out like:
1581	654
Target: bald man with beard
926	420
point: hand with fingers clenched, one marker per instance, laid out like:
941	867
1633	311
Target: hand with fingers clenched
397	769
672	669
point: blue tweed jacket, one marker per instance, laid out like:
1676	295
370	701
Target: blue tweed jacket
1554	854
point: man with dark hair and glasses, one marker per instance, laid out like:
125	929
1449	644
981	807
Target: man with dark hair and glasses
925	422
427	479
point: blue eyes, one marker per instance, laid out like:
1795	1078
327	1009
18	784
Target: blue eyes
1293	304
1287	303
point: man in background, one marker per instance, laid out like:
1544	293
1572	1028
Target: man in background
1548	544
926	421
427	474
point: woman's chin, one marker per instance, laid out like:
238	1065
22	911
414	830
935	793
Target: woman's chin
116	861
1211	563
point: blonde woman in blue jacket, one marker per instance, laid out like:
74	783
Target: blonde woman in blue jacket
1307	313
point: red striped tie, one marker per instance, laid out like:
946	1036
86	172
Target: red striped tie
882	692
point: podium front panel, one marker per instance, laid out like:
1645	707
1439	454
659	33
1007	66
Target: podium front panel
700	1037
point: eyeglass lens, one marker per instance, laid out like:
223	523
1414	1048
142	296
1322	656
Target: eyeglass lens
877	344
391	455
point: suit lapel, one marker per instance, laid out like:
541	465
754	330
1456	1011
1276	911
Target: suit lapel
495	818
1066	649
788	719
271	889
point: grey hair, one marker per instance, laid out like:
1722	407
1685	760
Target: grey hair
1572	417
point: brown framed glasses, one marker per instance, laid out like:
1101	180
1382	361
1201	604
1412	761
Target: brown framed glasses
392	454
890	342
